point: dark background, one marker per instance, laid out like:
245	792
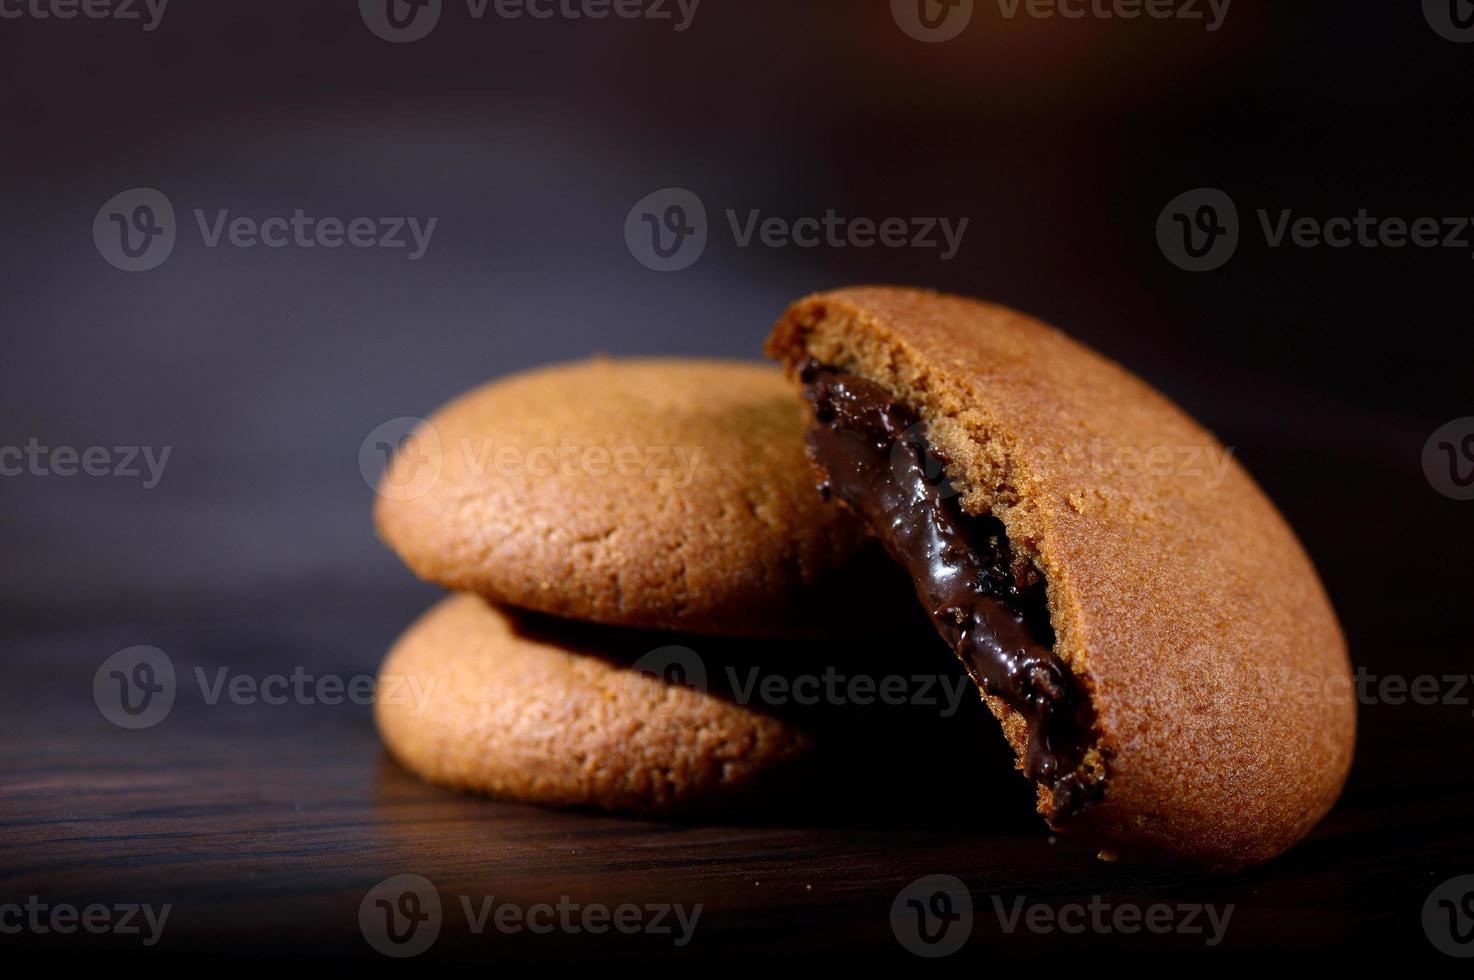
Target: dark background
1060	141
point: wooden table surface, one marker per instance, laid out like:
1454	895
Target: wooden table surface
263	827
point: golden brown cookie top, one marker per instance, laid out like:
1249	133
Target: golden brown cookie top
1180	599
470	699
664	493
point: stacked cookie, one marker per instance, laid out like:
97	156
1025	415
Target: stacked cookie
593	517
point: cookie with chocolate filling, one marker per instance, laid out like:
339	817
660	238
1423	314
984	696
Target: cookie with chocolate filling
1156	643
650	493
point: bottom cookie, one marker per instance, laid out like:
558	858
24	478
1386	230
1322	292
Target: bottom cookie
523	709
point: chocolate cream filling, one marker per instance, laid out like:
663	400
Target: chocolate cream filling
987	602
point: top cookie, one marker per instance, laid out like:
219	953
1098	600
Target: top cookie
1155	641
660	493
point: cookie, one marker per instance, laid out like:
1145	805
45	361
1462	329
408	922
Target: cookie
475	698
659	493
1156	643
